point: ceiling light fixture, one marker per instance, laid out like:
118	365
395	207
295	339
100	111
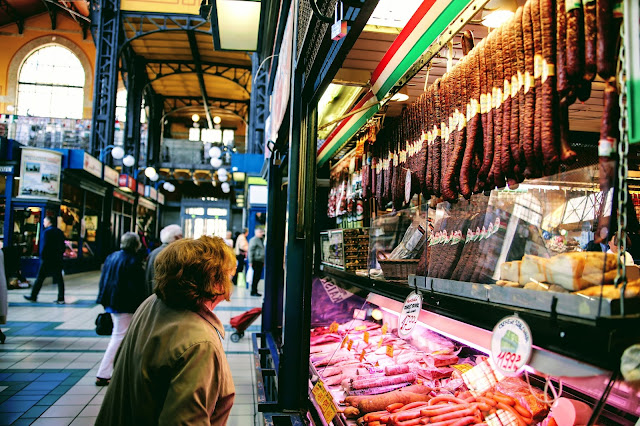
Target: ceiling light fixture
236	24
217	120
401	96
195	118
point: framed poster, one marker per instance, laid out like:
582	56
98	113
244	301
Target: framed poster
40	174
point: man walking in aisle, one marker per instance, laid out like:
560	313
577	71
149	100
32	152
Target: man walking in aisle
242	247
168	234
256	259
51	254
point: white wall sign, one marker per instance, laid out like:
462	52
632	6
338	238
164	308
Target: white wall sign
409	315
40	174
92	165
511	345
258	195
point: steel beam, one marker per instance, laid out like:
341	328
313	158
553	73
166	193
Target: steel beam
161	69
193	44
136	77
136	22
107	42
259	108
53	14
240	108
204	64
13	14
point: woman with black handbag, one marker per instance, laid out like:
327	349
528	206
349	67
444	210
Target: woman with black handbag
122	289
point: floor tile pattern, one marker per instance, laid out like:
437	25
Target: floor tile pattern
50	359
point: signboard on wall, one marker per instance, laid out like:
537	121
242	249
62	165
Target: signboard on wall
111	176
282	84
160	198
127	182
92	165
258	195
40	174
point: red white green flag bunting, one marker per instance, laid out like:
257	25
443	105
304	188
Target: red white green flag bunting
424	27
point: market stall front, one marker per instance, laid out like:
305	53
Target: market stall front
491	196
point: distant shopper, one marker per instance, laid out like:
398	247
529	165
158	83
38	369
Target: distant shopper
51	253
256	259
122	289
168	235
242	248
228	240
613	249
4	305
171	368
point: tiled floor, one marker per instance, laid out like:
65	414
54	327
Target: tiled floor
49	361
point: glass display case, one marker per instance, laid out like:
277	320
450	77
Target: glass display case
70	224
361	368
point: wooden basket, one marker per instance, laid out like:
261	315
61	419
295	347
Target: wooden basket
397	269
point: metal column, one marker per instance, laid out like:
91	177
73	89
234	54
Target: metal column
274	255
135	82
294	363
258	107
108	39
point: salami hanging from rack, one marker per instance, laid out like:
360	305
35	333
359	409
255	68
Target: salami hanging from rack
507	56
485	115
474	129
457	135
529	93
537	76
548	92
497	98
437	137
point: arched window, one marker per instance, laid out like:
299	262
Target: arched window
51	84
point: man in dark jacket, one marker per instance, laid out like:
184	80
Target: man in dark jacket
121	290
51	253
256	259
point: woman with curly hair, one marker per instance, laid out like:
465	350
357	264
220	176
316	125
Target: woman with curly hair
171	367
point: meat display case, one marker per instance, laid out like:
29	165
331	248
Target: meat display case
337	300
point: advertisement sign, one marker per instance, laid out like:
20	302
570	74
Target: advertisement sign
410	313
92	165
111	176
40	173
89	227
141	188
127	182
282	84
511	345
160	198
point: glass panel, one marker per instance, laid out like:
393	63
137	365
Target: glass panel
216	227
198	211
216	212
72	194
188	228
26	230
198	230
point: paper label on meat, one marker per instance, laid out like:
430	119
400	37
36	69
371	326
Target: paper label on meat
409	315
527	81
483	103
520	80
606	147
548	70
365	337
537	66
390	351
507	90
514	85
511	345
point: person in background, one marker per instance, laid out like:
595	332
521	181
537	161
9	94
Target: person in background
228	240
168	235
242	248
171	368
613	249
4	303
121	290
256	259
51	253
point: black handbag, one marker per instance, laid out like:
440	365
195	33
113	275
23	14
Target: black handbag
104	324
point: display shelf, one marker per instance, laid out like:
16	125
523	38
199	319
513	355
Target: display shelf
266	364
555	335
